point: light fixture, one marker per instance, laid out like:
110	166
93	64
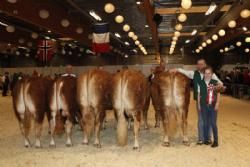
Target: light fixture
79	30
200	48
131	34
3	24
222	32
221	50
126	56
10	29
135	37
238	43
126	28
177	33
44	14
109	8
182	17
197	51
226	49
117	35
175	38
204	44
244	28
245	13
17	53
137	42
47	37
246	50
34	35
215	37
119	19
194	32
138	2
232	24
186	4
49	31
178	27
21	40
173	42
146	26
94	15
65	23
12	1
247	39
211	8
187	41
126	43
209	41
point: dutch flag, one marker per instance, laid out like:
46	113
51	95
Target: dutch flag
101	38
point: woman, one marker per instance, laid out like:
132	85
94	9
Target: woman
208	103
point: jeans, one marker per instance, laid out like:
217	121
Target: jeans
200	125
209	116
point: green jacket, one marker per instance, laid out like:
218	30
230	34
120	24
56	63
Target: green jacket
196	81
203	91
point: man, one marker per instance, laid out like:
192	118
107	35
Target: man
197	77
69	71
6	82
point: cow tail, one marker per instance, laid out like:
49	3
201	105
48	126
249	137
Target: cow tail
172	112
122	127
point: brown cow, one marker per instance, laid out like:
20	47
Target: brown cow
129	98
30	101
93	93
63	105
174	98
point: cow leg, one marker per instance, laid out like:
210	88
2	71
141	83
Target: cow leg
27	125
100	115
129	123
68	127
157	118
145	119
137	120
52	130
184	126
38	129
23	130
165	122
87	120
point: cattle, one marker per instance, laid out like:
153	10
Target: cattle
173	96
30	101
129	99
93	94
63	107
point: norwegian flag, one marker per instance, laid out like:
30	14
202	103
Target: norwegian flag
45	50
210	94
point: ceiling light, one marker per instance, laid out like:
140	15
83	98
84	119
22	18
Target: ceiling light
10	29
232	24
245	13
238	43
109	8
187	41
3	24
49	31
95	16
79	30
247	39
246	50
211	9
209	41
226	49
221	50
137	42
244	28
44	14
65	23
215	37
194	32
47	37
200	47
146	26
119	19
177	33
182	17
126	56
222	32
175	38
126	28
131	34
197	51
126	43
186	4
178	27
204	44
135	37
117	35
138	2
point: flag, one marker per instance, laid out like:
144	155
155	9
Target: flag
45	50
101	38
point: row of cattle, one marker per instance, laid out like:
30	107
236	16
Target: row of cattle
87	97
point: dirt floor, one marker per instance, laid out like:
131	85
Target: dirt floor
234	140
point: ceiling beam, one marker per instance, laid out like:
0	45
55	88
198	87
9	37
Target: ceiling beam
182	34
28	11
193	9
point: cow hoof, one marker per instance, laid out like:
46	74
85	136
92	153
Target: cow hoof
52	146
98	145
69	144
166	144
27	146
85	143
146	128
136	148
157	126
186	143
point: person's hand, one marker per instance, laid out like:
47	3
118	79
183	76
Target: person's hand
216	107
173	70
